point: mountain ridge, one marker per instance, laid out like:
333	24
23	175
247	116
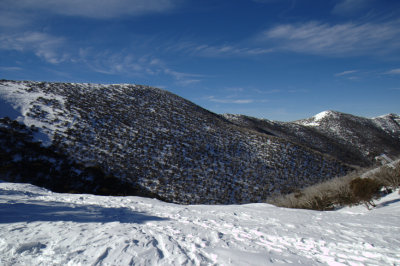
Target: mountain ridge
167	145
354	139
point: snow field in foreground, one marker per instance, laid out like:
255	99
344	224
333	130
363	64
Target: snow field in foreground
38	227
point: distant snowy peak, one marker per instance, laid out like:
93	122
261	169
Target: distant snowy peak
352	139
390	123
331	118
318	118
325	114
388	116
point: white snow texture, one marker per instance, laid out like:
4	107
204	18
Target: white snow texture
38	227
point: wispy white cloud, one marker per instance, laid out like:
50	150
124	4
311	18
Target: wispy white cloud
335	40
100	9
395	71
264	1
8	68
229	100
41	44
117	63
13	19
344	73
234	99
346	7
209	50
271	91
354	78
183	79
235	89
127	64
299	91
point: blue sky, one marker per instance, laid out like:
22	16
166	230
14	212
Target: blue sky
276	59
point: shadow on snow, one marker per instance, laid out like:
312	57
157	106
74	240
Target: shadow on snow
57	211
387	203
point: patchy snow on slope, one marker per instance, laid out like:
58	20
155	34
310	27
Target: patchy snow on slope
162	142
38	227
389	123
22	100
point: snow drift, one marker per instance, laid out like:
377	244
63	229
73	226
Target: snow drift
38	227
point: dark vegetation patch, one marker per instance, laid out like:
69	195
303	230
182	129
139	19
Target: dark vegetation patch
24	160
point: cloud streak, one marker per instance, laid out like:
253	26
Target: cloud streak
395	71
335	40
42	45
11	68
128	64
234	99
183	79
344	73
99	9
13	20
208	50
229	101
265	1
346	7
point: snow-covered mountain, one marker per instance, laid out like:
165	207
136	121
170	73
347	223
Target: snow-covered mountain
352	139
38	227
160	144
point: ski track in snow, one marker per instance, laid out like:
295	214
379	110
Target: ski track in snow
38	227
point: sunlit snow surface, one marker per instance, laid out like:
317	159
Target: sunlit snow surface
322	115
38	227
315	120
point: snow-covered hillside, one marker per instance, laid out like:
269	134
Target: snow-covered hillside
159	142
370	137
351	139
38	227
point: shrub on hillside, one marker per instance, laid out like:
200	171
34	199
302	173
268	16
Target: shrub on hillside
324	196
365	189
337	192
389	176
